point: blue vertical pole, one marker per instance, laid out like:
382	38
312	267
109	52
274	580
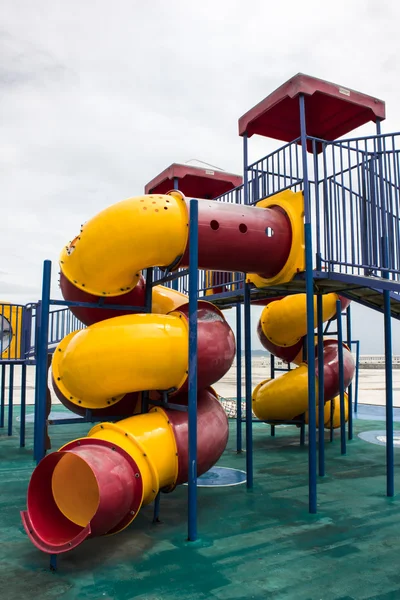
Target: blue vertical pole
247	339
388	334
321	399
10	399
36	349
357	374
148	303
312	420
41	366
149	289
341	378
350	388
23	406
175	282
272	375
247	362
2	394
246	199
193	293
238	377
389	396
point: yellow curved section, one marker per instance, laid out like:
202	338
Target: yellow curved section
292	203
107	256
284	322
147	438
165	300
96	366
283	398
10	330
336	412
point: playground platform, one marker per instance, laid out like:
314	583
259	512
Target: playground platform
255	544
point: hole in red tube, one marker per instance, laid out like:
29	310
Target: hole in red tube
214	225
242	228
269	232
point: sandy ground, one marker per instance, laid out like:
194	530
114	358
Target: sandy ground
371	383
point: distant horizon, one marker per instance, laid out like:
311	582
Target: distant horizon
261	352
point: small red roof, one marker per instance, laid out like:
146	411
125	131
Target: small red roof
331	111
194	181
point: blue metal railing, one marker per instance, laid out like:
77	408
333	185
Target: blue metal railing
354	199
357	207
276	172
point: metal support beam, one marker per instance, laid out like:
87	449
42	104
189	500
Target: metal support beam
41	366
247	360
350	388
312	425
192	376
341	378
321	403
238	378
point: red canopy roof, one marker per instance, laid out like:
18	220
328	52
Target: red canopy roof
193	181
331	111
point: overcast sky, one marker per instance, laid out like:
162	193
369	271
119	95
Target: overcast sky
98	97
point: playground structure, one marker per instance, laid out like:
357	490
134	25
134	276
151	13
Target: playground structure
351	199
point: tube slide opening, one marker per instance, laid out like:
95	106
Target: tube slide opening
47	527
75	490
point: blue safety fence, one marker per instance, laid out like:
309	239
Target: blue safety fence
19	330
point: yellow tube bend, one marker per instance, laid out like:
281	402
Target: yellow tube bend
96	366
105	259
284	322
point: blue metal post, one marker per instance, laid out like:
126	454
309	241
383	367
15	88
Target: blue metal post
148	303
388	335
23	406
350	388
312	421
149	289
193	294
156	513
3	394
357	374
321	399
247	340
389	396
272	375
10	399
238	377
247	362
41	366
246	199
341	378
53	562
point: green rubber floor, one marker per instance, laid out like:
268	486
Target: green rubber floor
257	544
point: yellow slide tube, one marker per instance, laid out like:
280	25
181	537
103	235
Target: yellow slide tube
148	439
284	321
112	248
336	412
283	398
165	300
96	366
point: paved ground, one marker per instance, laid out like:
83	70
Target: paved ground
257	544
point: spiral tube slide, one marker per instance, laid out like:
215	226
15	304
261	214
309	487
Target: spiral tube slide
96	485
281	330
